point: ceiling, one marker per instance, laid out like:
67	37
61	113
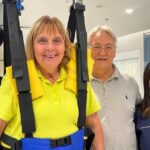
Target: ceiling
98	12
112	13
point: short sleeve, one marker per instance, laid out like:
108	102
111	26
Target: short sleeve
7	102
92	105
132	85
138	95
138	98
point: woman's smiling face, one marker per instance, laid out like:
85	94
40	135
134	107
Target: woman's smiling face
49	50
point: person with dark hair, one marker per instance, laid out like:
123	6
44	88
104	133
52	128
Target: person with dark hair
142	115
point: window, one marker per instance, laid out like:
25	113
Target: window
146	49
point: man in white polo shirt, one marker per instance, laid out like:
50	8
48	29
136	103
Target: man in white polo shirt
118	93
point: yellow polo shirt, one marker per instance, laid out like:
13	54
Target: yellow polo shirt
56	111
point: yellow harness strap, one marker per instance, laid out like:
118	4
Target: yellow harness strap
71	79
36	90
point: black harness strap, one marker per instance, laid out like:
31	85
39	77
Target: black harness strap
14	39
88	142
1	36
1	41
72	24
7	56
76	22
4	148
12	142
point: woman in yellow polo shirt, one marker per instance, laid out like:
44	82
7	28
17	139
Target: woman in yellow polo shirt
55	107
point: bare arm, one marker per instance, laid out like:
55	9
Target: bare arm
94	123
2	126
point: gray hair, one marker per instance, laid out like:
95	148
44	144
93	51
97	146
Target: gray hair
103	28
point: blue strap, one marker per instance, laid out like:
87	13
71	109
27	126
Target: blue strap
75	142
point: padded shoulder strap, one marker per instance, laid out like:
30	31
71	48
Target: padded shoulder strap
19	66
76	22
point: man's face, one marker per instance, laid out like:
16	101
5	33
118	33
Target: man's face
102	50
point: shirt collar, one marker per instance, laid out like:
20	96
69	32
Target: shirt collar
114	76
62	75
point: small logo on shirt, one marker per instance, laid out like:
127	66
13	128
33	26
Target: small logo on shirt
126	97
145	127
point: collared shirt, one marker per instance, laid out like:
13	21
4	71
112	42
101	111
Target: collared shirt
56	111
118	97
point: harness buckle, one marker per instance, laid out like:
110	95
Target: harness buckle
61	142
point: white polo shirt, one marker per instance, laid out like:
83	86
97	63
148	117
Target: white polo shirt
118	97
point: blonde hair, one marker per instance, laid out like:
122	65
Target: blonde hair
51	25
103	28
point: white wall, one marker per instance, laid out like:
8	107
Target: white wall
133	42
